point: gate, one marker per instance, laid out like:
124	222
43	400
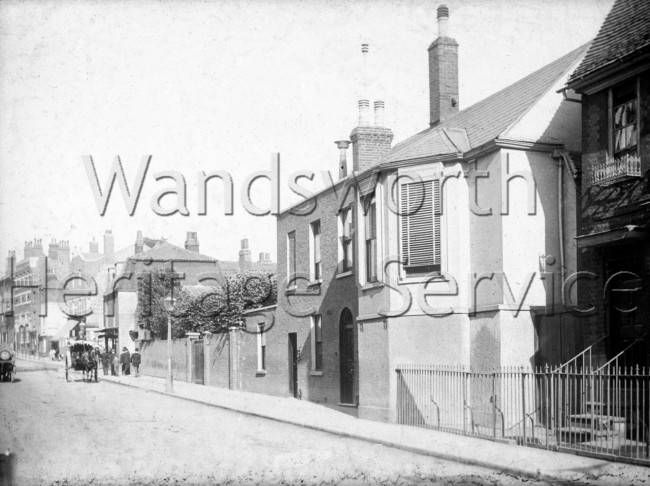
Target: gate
197	365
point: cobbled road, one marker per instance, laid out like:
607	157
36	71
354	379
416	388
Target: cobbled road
80	433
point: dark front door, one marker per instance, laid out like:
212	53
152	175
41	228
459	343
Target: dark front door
293	364
197	366
346	354
627	309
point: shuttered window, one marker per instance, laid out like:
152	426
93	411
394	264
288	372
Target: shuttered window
420	225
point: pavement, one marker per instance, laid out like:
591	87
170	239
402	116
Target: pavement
530	462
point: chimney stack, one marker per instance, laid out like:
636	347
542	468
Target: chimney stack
265	258
53	253
343	158
37	248
369	142
139	243
11	262
64	252
94	246
244	256
109	246
28	251
192	242
443	72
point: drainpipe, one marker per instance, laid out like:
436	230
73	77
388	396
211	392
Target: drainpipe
561	156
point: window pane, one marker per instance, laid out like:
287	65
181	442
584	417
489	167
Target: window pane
318	329
371	260
292	257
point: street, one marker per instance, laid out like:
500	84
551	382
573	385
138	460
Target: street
75	433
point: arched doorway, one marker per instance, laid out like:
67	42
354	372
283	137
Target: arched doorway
346	356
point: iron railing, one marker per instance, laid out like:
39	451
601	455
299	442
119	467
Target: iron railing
604	413
610	169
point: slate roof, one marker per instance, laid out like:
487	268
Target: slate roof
487	119
626	31
165	251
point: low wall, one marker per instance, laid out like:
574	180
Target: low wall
154	358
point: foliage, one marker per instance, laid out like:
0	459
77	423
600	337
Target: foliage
201	308
153	288
217	308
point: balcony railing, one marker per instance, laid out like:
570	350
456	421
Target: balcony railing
607	169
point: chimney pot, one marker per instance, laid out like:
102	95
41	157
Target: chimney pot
364	109
343	158
379	113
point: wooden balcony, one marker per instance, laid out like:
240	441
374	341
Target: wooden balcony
604	170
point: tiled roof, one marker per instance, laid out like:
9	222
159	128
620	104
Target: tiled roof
165	251
625	31
487	119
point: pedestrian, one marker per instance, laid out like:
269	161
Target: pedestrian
135	361
125	359
52	354
105	357
115	363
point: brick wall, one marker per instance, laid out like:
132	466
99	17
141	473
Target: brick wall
216	355
329	299
369	144
154	358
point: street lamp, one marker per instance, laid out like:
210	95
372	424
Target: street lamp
169	307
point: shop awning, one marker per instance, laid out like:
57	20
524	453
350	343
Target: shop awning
64	332
619	235
106	330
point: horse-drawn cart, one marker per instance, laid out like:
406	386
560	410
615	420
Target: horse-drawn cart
82	356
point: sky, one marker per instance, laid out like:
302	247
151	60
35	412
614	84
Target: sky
205	86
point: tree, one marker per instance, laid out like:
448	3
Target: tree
217	308
153	288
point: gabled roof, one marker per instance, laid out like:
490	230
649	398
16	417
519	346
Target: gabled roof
626	30
487	119
165	251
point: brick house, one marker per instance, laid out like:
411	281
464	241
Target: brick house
614	251
447	248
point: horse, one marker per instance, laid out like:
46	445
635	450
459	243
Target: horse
88	364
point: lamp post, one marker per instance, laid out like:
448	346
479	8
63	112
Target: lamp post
169	307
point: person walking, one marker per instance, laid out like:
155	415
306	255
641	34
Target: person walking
135	361
105	357
115	363
125	359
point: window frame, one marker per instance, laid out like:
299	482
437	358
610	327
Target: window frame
315	251
316	324
618	90
370	237
425	268
346	239
292	260
261	348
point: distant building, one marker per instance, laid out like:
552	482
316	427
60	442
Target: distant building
121	298
246	263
